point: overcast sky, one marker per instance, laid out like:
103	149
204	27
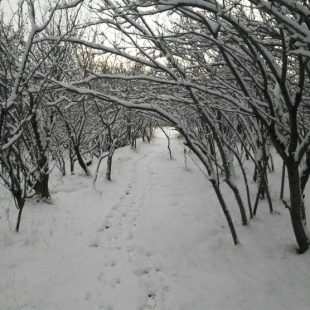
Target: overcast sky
8	5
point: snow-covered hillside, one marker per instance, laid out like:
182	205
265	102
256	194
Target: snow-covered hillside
153	238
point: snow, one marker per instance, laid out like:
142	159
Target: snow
153	238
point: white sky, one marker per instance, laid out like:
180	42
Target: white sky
8	5
11	5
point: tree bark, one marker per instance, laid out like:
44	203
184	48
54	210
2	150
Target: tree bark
298	223
41	187
246	184
109	161
168	140
282	181
239	201
80	160
226	212
20	202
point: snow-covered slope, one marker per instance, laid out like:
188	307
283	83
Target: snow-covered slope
153	238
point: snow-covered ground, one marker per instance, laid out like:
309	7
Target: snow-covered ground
153	238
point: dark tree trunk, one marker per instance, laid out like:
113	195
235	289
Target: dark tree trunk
260	186
134	143
225	162
129	131
71	165
80	160
19	217
109	160
146	135
62	165
255	174
20	202
271	167
168	140
41	187
246	184
239	201
262	190
109	167
282	181
296	206
263	185
71	156
226	212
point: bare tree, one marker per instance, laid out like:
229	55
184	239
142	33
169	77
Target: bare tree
24	129
248	59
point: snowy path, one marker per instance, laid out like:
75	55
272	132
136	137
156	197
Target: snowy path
153	239
131	277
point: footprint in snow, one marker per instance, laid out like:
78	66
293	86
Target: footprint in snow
87	296
104	226
115	282
142	272
111	263
150	302
95	243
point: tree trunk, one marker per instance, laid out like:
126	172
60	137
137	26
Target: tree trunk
129	131
145	134
109	167
62	165
235	190
246	184
282	180
71	165
271	167
298	223
80	160
134	142
41	188
267	193
109	160
263	185
226	212
255	174
18	219
260	187
71	156
168	140
20	204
